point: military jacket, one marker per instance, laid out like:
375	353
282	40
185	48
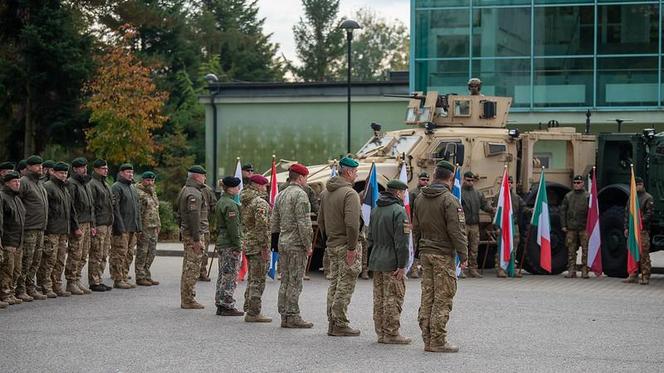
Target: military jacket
61	213
189	207
12	218
128	212
574	210
472	202
388	234
102	199
81	196
255	221
290	218
229	222
33	196
149	206
647	207
211	202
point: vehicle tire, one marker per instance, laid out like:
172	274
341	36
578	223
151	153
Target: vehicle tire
558	248
614	251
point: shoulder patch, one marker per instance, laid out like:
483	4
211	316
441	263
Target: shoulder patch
462	216
406	227
231	214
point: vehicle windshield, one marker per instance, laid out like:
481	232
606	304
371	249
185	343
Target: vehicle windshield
388	146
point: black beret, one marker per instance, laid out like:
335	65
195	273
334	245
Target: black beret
247	167
231	181
7	166
33	160
196	169
397	184
446	165
11	176
99	163
126	166
61	166
48	164
79	162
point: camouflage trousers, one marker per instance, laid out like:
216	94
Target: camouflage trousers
574	239
53	245
61	248
33	245
388	294
11	258
255	284
99	251
292	264
439	284
146	249
17	269
204	261
120	257
191	263
342	284
77	257
644	262
228	264
473	234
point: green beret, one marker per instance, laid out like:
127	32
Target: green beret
247	167
348	162
638	180
126	166
33	160
448	166
11	175
21	165
99	163
79	162
148	175
423	175
469	174
6	166
61	166
48	164
196	169
397	184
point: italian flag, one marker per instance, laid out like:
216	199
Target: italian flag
540	220
592	228
504	221
633	228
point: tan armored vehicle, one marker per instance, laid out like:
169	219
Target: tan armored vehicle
472	132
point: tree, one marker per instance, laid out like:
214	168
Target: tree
125	107
174	160
319	40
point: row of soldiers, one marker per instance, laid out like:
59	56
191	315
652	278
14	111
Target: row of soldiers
249	224
55	218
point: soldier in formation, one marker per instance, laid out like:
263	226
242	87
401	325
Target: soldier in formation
473	201
146	246
126	226
11	236
79	242
100	248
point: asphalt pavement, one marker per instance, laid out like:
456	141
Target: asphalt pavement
537	323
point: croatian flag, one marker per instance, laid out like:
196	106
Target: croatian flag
274	190
244	266
592	228
370	195
403	177
456	191
540	220
504	221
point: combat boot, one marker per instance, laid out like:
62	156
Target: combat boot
143	282
154	282
7	300
72	288
296	322
500	273
444	348
645	280
284	321
396	340
3	304
632	279
345	331
473	272
229	312
121	285
83	288
131	286
518	274
584	272
15	300
50	293
36	295
192	305
108	288
306	278
257	318
571	273
365	274
57	289
24	297
98	288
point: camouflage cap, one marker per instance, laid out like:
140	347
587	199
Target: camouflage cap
11	176
349	162
7	166
196	169
231	181
397	184
126	166
48	163
79	162
61	166
446	165
148	175
99	163
33	160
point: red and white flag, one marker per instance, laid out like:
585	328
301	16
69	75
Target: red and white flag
592	228
274	188
403	177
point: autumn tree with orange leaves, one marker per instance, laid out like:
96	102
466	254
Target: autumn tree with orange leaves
125	106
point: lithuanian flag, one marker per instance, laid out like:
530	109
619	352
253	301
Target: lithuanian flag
633	228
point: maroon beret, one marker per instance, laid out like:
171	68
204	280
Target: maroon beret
300	169
258	179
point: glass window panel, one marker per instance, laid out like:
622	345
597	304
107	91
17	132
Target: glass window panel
501	32
440	3
442	33
628	29
564	82
505	77
546	2
627	81
564	31
442	76
500	2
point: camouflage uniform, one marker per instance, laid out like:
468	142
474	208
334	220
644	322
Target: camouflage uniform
79	247
62	217
190	204
290	218
33	195
472	202
146	246
101	242
573	216
126	225
647	206
211	201
229	249
12	220
256	225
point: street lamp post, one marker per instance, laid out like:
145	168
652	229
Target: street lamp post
349	25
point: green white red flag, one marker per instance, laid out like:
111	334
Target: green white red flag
540	221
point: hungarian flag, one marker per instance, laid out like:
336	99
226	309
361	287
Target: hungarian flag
540	220
592	229
274	190
244	266
370	195
456	191
504	221
403	177
633	228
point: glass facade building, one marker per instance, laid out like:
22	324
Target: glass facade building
549	55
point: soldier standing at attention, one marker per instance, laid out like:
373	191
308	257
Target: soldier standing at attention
34	198
291	219
61	223
102	197
211	202
146	246
439	232
47	167
339	219
126	226
647	207
472	202
229	247
12	221
388	241
573	216
255	213
422	181
79	245
191	205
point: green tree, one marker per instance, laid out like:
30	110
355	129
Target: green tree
174	160
319	41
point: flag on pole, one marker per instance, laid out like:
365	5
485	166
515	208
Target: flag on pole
274	190
504	221
244	266
592	229
540	220
456	191
370	195
238	174
633	228
403	177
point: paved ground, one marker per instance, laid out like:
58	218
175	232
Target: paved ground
538	323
